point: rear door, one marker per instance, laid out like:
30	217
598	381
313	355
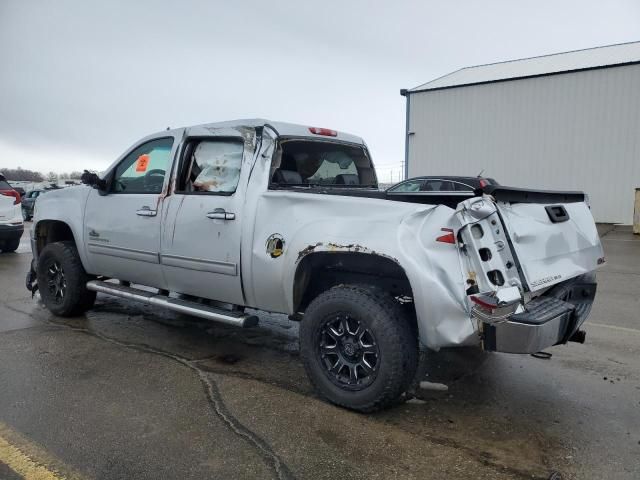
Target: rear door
201	237
553	236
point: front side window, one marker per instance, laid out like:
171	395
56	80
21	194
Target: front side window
212	166
144	169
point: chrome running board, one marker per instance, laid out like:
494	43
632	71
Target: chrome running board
237	319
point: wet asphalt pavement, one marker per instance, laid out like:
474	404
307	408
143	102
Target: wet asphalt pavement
128	392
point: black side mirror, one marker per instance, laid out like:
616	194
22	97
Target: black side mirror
93	180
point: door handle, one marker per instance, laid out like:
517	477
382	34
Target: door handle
146	212
221	214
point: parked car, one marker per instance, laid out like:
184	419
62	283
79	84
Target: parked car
11	226
29	202
288	218
442	184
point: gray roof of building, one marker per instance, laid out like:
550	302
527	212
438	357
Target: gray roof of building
576	60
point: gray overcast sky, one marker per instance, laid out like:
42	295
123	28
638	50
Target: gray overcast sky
80	81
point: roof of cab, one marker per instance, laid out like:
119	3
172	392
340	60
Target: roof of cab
282	128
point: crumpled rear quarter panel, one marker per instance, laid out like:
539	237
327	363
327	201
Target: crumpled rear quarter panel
402	232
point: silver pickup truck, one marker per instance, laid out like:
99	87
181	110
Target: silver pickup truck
214	219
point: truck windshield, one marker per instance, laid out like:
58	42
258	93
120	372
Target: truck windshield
311	163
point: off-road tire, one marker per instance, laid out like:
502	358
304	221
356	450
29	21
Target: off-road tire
10	245
394	335
77	299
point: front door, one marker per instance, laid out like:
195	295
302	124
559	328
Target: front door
201	239
122	225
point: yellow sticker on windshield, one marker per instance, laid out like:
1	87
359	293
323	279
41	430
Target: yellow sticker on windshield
142	163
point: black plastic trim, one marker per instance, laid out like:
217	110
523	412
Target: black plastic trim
557	213
525	195
489	337
10	232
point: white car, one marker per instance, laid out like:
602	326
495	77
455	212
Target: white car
288	218
11	225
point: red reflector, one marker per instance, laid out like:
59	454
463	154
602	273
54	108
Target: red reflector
483	183
448	237
327	132
478	300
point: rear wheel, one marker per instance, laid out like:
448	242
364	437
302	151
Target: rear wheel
11	245
358	347
62	280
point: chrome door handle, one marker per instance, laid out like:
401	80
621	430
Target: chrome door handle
146	212
221	214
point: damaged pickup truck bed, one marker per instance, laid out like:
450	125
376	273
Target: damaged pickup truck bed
212	219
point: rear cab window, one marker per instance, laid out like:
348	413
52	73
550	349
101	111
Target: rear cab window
314	163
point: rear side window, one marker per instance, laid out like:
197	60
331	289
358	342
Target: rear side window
144	169
408	186
438	186
463	187
4	185
316	163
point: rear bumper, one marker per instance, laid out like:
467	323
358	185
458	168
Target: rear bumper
10	232
549	320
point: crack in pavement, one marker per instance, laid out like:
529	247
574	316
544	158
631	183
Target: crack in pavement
217	403
213	395
211	389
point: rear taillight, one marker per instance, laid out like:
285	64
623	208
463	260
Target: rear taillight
487	302
483	183
12	193
448	237
323	131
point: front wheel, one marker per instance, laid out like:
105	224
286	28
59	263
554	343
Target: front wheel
358	347
62	280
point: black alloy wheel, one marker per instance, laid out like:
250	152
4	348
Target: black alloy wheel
349	352
56	282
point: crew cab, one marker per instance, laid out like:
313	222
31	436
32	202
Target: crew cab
214	219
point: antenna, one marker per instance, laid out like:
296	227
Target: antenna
481	172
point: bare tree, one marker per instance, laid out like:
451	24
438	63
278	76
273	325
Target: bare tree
21	174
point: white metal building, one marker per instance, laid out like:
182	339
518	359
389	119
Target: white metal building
567	121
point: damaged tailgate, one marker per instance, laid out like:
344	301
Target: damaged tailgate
553	234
